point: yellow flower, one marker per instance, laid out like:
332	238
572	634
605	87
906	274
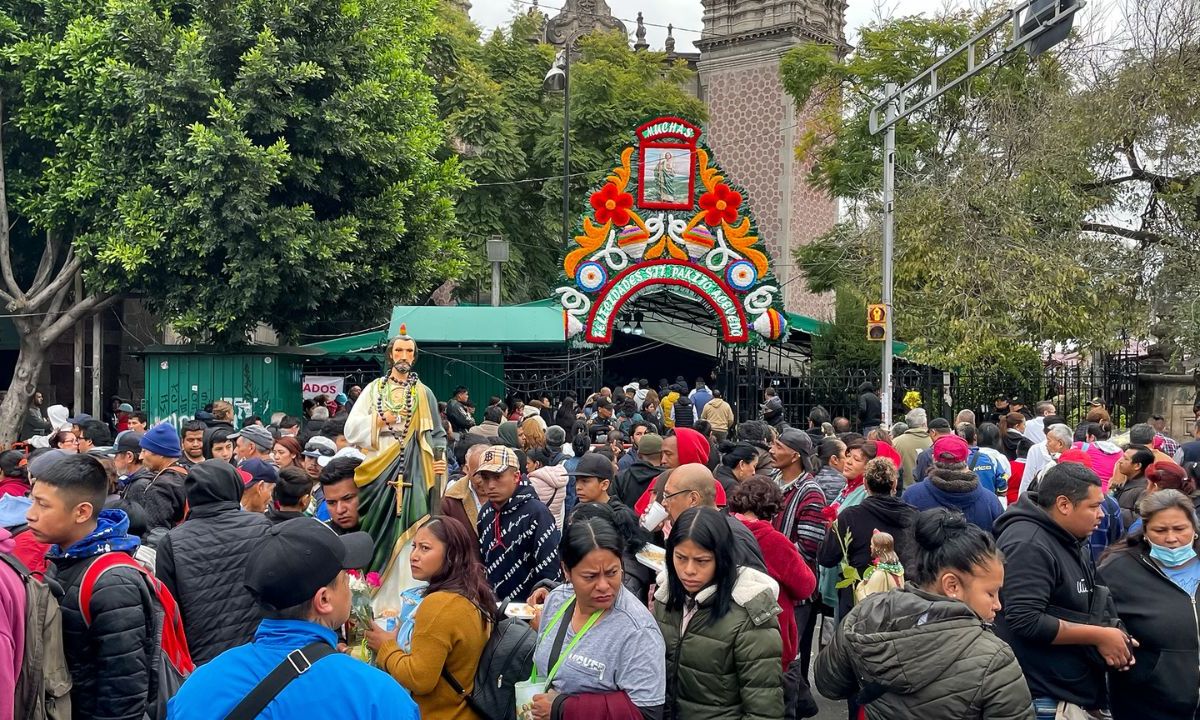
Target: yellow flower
912	399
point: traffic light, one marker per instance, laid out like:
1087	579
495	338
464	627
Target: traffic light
876	322
1059	14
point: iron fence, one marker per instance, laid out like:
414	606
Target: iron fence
1111	378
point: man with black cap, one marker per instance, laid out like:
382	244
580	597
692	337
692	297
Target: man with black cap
298	577
801	518
259	479
251	442
633	482
203	561
126	455
602	422
938	428
593	477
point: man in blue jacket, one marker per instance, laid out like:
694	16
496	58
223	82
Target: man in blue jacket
298	576
950	484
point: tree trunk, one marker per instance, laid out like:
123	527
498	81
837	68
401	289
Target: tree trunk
16	401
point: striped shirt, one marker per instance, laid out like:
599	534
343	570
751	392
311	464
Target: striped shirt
801	520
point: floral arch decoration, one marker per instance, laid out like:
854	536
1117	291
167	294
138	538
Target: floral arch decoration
669	218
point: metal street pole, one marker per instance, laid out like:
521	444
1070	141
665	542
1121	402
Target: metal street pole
1035	25
97	360
566	211
889	219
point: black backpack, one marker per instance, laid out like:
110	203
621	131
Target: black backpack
507	659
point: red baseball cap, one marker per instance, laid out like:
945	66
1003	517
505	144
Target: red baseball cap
951	450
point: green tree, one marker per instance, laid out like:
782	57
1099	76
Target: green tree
998	186
508	135
843	344
229	163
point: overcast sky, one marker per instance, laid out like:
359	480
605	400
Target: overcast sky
685	15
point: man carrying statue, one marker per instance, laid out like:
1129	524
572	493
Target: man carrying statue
395	423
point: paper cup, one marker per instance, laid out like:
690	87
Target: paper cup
655	515
525	690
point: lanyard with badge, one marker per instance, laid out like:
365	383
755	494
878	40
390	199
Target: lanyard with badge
556	659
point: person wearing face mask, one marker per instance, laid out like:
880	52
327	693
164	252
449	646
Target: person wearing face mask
1154	578
928	648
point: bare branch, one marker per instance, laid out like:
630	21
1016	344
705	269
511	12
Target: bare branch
1144	236
46	265
65	276
6	264
88	306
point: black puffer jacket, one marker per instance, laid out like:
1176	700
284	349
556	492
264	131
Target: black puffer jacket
929	657
203	562
112	660
161	496
1164	683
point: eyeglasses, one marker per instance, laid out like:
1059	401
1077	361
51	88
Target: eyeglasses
668	496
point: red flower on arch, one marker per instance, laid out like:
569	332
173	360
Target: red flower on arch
612	204
720	205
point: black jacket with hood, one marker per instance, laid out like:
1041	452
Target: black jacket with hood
1049	576
1164	683
885	513
633	481
203	562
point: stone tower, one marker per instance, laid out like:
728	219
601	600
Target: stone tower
754	125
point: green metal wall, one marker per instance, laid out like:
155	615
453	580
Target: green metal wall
178	384
444	369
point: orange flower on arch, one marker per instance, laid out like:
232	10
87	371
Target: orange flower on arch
720	205
612	205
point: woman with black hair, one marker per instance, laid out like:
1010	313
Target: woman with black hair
755	502
637	577
849	537
738	463
565	417
1154	578
724	650
928	648
444	637
599	653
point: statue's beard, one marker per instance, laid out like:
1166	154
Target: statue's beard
402	367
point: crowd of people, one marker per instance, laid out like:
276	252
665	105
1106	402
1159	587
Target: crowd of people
637	555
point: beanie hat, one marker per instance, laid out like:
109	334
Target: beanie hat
555	436
162	439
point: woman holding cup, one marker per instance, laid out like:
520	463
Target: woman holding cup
599	654
446	633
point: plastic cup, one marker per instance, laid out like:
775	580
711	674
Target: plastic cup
525	690
655	515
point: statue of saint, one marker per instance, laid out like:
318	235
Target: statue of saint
666	182
395	423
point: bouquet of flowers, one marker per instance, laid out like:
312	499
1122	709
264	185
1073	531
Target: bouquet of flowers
362	590
912	400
